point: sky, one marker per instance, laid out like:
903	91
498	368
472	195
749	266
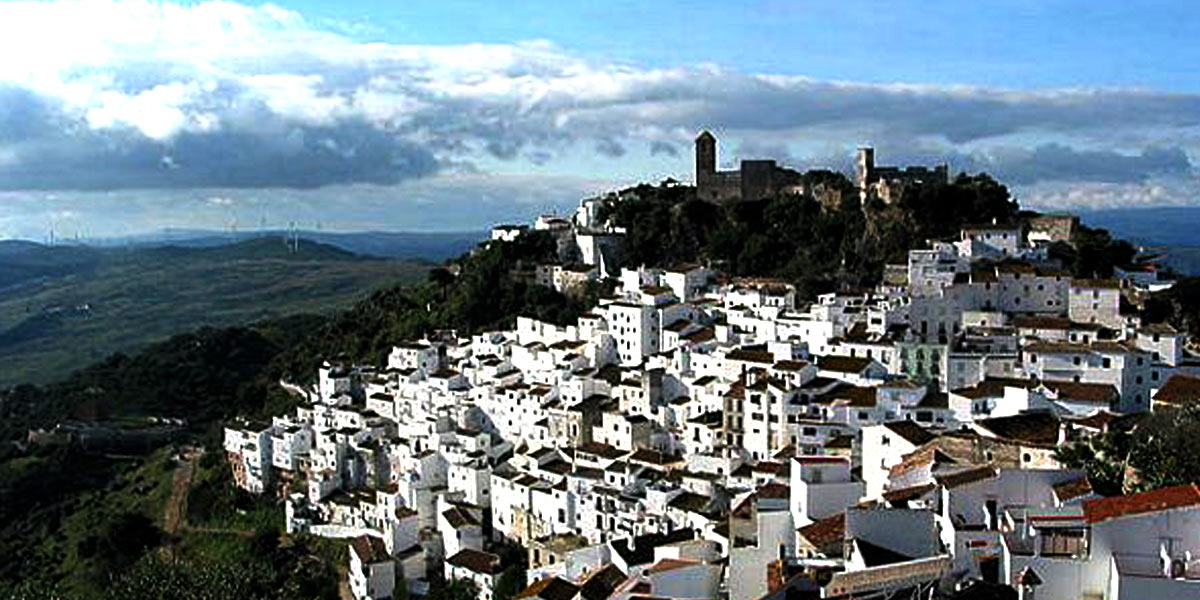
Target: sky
124	117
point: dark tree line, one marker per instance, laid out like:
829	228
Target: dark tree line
817	246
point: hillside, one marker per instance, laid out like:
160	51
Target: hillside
65	307
1171	228
92	518
75	508
415	245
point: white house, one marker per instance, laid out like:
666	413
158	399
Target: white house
372	570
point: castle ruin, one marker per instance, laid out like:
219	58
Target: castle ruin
888	183
756	179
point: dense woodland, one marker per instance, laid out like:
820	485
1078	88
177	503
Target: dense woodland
87	525
817	247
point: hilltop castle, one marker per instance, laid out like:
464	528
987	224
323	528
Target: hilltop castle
760	178
887	183
755	179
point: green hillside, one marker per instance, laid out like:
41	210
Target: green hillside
66	307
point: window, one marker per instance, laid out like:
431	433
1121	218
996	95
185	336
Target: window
1062	542
1076	360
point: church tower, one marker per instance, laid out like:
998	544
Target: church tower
864	170
706	158
865	166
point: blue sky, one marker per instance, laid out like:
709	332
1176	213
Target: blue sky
1019	44
124	116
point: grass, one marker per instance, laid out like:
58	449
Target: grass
89	540
214	502
141	297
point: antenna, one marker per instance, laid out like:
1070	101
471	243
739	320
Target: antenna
293	239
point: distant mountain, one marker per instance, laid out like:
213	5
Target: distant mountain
432	247
66	306
1176	228
22	261
257	248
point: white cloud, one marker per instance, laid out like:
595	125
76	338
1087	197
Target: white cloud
456	202
1157	192
256	96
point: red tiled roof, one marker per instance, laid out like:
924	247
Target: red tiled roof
842	364
550	588
1179	390
825	532
1070	490
774	490
908	493
669	564
1103	509
967	476
746	355
789	365
818	458
370	549
1096	283
477	561
909	431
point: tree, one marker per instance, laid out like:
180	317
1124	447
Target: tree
1179	306
441	277
510	583
1104	457
1159	452
455	589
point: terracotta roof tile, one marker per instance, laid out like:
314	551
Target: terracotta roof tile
842	364
1070	490
967	476
477	561
669	564
370	549
1179	390
1103	509
826	532
550	588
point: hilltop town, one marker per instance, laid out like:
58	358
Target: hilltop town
700	435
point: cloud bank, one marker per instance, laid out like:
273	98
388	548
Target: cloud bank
146	95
